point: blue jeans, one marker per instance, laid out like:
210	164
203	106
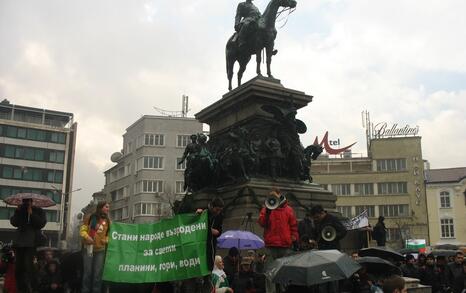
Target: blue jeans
92	272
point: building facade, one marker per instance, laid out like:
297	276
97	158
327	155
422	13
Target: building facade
388	182
446	202
37	149
147	178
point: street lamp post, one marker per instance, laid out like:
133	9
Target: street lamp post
62	210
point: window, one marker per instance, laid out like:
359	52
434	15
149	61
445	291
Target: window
400	210
7	172
9	151
363	189
182	140
393	234
370	210
181	166
33	134
57	156
341	189
391	165
11	131
153	139
447	227
152	186
52	216
147	209
21	133
6	213
32	174
345	211
116	215
179	187
393	187
124	212
31	153
119	193
445	199
153	163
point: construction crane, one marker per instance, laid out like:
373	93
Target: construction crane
184	109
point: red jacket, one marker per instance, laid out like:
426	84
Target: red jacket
282	225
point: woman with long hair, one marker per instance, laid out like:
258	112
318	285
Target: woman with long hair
94	233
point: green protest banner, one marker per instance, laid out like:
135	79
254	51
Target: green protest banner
172	249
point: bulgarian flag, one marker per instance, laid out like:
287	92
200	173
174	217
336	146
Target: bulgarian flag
419	244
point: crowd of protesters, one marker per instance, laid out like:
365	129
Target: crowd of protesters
238	271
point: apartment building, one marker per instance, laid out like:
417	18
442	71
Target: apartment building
446	203
147	178
388	182
37	149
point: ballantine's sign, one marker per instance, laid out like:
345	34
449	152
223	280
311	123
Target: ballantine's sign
327	145
382	130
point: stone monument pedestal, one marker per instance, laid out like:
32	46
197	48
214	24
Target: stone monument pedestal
243	121
249	197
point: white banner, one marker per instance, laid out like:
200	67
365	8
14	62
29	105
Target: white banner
358	222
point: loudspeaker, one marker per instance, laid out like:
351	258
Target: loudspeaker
329	233
272	202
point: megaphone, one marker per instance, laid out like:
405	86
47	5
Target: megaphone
329	233
272	202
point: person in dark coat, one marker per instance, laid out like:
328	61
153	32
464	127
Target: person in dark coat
247	281
409	269
231	264
441	264
380	232
323	219
215	223
50	280
455	273
306	227
29	220
429	274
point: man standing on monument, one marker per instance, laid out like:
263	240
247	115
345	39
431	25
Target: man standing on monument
380	232
247	16
280	230
324	220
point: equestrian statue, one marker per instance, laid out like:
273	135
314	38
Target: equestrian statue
253	33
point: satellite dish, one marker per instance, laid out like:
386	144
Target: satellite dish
115	157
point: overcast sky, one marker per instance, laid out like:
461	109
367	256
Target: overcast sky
109	62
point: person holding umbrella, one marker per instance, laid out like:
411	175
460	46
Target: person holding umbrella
29	220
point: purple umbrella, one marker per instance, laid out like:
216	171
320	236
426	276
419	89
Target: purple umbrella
239	239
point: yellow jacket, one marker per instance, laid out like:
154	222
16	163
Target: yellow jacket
100	238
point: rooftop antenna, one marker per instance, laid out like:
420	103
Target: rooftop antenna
183	113
366	123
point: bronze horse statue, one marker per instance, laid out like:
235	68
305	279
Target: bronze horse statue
263	38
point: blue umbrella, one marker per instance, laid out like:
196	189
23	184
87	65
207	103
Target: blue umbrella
239	239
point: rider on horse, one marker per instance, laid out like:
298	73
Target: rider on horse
247	16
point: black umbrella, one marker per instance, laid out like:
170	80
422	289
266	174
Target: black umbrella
446	246
384	252
444	252
311	268
378	267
